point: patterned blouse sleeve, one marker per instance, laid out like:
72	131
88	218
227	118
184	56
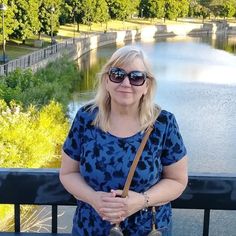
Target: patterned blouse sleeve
71	145
174	148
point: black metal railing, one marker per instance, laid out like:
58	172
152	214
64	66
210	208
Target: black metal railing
42	187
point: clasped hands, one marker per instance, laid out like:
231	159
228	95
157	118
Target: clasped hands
113	208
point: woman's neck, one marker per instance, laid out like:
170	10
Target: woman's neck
124	122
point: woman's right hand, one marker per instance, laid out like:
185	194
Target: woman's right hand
98	203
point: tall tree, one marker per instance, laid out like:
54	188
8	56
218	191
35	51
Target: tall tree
171	9
229	8
26	14
72	12
88	8
49	11
10	22
183	8
101	13
156	8
120	9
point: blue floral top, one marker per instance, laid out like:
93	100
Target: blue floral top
105	161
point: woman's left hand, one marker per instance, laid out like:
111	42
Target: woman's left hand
131	204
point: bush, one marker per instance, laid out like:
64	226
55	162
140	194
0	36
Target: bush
32	138
55	82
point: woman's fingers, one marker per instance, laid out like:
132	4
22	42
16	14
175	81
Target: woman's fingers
113	217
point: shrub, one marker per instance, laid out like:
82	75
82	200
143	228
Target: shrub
55	82
32	138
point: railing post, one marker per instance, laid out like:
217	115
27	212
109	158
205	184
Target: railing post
17	217
5	68
54	219
206	222
29	60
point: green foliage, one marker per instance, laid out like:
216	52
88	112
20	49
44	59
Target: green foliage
183	8
120	9
101	13
56	82
31	138
26	14
10	23
228	8
88	8
49	12
171	9
156	9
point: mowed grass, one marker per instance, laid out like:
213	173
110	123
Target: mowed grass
14	51
71	30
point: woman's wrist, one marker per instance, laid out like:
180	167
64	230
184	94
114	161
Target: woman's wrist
146	203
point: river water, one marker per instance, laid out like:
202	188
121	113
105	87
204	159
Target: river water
197	82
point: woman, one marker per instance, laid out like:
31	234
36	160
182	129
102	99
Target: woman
102	144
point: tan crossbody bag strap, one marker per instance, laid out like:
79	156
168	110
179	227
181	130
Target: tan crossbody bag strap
135	162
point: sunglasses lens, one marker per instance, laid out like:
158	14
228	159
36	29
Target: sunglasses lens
116	75
137	78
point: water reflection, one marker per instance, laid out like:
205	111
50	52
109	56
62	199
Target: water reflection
196	81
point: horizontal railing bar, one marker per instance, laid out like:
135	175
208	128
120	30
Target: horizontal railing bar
43	187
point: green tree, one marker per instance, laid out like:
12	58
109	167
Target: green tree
26	15
204	12
183	8
156	8
171	9
228	8
72	12
88	9
10	22
194	8
120	9
49	11
101	13
133	7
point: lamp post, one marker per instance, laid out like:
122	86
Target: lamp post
142	13
74	14
3	8
52	11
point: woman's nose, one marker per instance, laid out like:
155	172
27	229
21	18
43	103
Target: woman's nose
126	81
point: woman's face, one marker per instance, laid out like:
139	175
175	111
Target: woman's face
125	94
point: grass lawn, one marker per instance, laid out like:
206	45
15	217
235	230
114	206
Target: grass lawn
14	51
70	30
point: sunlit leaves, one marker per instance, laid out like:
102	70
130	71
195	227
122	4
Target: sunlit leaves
31	138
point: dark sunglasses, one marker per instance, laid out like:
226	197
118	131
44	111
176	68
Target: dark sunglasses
136	78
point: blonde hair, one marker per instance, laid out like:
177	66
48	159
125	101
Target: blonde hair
148	111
